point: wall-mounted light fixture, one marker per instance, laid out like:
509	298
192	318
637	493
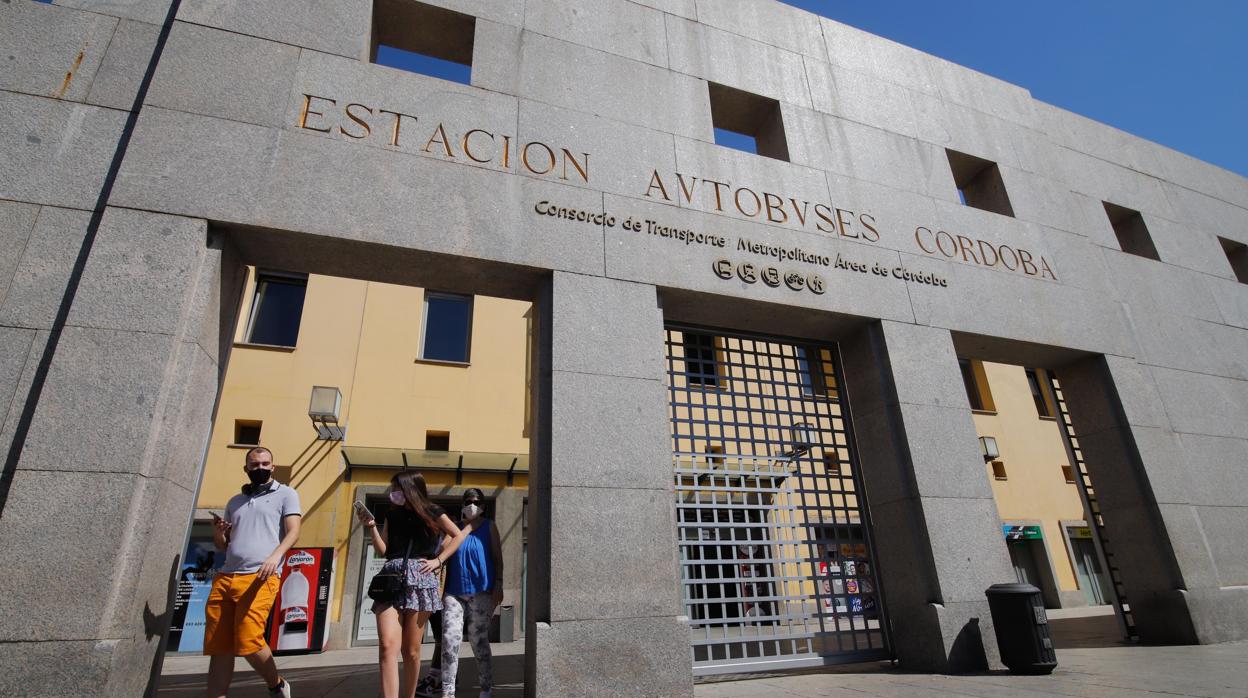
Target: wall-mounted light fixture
323	411
988	446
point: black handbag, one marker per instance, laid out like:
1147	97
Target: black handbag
389	587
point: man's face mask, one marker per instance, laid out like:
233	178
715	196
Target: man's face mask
472	511
259	476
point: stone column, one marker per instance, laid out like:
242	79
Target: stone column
604	611
936	525
1140	479
92	533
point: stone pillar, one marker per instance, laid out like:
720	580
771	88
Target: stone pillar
604	610
936	525
92	532
1140	479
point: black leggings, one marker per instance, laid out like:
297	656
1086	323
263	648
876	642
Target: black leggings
435	625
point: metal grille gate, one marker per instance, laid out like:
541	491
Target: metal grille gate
777	564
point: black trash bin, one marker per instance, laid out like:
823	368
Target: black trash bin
1022	628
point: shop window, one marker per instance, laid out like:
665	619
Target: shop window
749	122
1039	395
702	364
976	383
998	470
423	39
1237	255
247	432
979	183
447	328
1132	234
1068	473
276	308
437	440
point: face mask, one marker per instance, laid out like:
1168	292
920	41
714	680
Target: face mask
397	498
259	476
472	511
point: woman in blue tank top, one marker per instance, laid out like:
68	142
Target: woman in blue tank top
473	588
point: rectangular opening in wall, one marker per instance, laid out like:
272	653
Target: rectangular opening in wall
447	329
979	183
1237	255
1039	395
1069	474
1132	234
437	440
749	122
702	359
247	432
976	382
423	39
277	308
998	470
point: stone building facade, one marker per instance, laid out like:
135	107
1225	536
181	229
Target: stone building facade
153	149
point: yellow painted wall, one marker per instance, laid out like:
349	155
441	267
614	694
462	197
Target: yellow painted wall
1033	453
364	338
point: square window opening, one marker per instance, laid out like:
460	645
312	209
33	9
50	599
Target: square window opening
748	122
998	470
979	183
714	455
447	334
277	308
247	432
1237	255
423	39
437	440
1131	232
1069	474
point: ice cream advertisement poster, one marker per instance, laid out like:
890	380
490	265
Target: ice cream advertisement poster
299	623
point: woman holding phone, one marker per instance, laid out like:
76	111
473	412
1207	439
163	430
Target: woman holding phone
413	530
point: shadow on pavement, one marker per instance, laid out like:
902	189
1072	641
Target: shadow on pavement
353	681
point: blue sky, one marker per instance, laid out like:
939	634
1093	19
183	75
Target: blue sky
1171	71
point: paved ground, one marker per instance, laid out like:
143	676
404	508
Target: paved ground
1091	662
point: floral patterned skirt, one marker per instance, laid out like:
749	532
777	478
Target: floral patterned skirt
422	589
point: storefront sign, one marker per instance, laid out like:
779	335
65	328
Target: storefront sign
1078	532
1022	532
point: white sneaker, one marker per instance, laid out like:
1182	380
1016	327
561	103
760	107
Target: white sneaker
282	690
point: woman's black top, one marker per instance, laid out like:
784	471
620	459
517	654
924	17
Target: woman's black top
405	525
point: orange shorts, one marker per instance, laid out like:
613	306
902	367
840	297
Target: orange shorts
238	608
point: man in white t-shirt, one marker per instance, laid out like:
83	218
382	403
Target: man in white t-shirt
259	526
